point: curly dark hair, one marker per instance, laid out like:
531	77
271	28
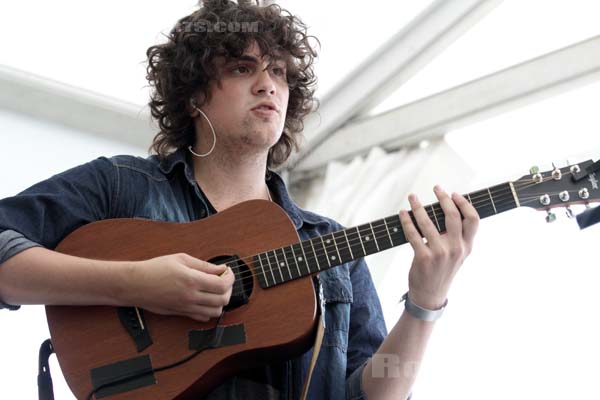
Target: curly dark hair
185	65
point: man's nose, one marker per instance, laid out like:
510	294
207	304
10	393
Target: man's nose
264	83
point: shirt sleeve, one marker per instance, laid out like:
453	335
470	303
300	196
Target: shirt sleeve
12	242
367	327
45	213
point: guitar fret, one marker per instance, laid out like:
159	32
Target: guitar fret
388	231
505	202
493	205
365	238
262	267
270	267
285	262
399	220
325	250
303	258
295	260
278	265
435	217
337	250
349	246
383	239
290	260
342	246
514	193
360	240
315	253
397	230
374	237
442	220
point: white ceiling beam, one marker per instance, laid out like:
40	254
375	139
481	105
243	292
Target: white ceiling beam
390	66
76	108
516	86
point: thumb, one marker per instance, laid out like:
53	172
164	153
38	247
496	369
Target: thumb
212	269
204	266
227	275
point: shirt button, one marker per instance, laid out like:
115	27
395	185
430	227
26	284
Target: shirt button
202	213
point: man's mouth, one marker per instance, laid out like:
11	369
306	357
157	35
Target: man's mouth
266	107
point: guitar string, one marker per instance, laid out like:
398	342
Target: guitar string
283	273
352	237
270	259
437	210
248	274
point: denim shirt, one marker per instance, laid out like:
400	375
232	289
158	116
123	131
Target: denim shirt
133	187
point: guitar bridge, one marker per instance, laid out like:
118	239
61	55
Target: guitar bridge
132	319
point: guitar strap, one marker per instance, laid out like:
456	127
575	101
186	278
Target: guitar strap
315	355
45	388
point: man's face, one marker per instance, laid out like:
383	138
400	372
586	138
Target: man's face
235	108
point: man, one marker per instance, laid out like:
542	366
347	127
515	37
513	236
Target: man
230	104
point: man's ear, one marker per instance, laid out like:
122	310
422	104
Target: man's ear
189	107
192	104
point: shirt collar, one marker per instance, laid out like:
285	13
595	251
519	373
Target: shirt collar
298	215
179	157
274	182
169	162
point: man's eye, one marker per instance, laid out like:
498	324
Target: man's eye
242	69
279	71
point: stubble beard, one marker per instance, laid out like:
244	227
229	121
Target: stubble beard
260	136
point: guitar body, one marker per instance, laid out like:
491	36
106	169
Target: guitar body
279	322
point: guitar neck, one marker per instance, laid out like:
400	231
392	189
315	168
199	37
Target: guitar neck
320	253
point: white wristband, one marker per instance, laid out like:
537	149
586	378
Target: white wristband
420	312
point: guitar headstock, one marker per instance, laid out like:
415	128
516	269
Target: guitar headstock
560	187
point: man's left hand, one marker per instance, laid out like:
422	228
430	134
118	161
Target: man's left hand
438	259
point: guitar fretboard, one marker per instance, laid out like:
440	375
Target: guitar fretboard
323	252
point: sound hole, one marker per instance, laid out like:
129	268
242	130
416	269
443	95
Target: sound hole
243	285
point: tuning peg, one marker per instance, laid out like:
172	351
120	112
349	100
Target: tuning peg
556	174
534	170
551	217
570	213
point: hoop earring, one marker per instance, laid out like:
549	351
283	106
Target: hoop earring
211	128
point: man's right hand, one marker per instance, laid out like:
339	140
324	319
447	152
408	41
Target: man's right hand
179	284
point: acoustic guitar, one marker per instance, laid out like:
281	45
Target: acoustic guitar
128	353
